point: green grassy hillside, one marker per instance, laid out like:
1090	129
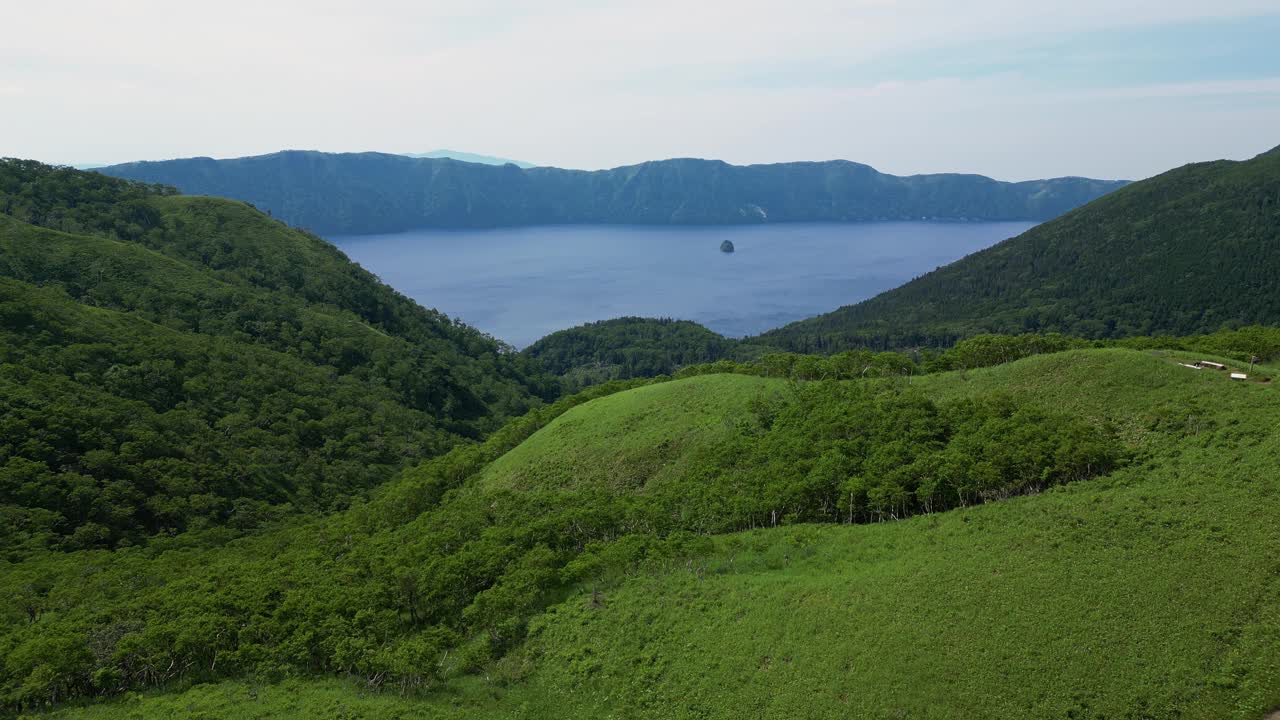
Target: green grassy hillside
627	441
1151	592
1185	252
1157	601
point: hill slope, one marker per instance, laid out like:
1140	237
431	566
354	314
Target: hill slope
1148	593
171	363
1184	252
373	192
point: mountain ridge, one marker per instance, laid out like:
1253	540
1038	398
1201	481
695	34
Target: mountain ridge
1185	252
470	157
357	193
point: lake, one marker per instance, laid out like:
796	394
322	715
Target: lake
519	284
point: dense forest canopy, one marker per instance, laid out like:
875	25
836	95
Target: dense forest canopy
171	363
628	347
357	193
1188	251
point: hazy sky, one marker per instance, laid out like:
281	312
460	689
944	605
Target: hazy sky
1008	88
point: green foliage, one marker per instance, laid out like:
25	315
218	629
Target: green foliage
191	363
813	452
647	348
113	429
1186	252
833	451
988	350
373	192
1244	344
197	606
442	571
77	202
628	347
181	370
1148	593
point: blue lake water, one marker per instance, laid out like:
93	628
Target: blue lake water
519	284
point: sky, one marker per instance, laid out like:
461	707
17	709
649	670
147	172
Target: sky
1007	88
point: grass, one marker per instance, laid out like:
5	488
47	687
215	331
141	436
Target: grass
332	699
1156	599
1151	593
628	440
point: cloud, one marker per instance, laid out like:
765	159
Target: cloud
1229	88
912	85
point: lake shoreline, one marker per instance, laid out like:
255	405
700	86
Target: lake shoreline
520	284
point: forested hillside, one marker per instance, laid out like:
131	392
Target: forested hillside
630	347
1184	252
170	363
585	560
372	192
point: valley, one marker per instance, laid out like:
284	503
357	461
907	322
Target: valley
244	476
824	361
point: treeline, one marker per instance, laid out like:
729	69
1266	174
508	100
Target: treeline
170	364
437	576
975	352
1190	251
1243	344
649	347
851	452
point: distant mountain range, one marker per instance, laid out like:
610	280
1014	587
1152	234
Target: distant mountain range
470	157
1185	252
354	193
